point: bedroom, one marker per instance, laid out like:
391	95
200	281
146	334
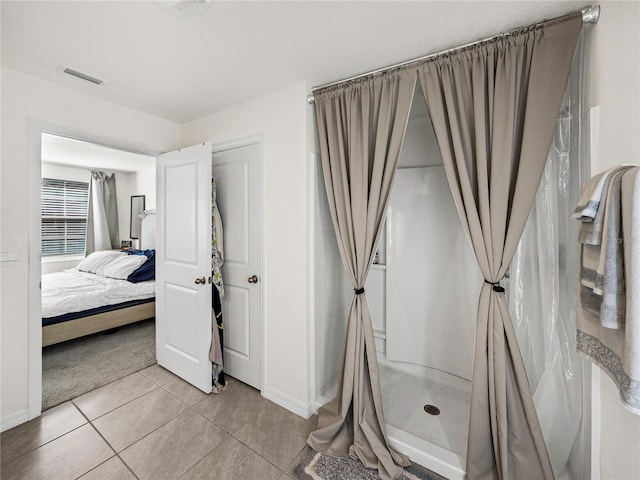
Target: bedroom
281	114
67	167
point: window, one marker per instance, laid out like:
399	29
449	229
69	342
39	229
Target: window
64	216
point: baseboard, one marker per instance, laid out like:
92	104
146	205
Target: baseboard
323	400
14	420
286	401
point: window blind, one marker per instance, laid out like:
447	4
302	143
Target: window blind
64	216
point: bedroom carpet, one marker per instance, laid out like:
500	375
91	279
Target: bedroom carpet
78	366
317	466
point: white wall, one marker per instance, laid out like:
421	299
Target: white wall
615	78
282	120
24	99
145	184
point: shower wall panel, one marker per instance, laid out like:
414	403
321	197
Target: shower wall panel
432	276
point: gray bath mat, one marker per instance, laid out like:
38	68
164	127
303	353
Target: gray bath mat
317	466
78	366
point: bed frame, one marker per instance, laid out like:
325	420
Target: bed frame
61	332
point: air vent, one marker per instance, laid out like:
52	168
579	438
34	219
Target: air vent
81	75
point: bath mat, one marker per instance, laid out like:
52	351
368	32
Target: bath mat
317	466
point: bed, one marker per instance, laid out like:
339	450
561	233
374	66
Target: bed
108	289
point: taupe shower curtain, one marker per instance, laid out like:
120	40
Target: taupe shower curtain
361	127
494	107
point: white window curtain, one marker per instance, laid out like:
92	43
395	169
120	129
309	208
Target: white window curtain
102	224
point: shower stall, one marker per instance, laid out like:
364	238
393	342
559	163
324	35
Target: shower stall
423	293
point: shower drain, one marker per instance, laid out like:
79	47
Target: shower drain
432	410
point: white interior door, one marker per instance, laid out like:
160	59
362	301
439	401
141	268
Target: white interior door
183	264
237	172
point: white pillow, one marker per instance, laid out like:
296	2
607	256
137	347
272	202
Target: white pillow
92	262
122	267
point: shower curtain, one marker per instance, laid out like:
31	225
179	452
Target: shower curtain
541	286
361	128
494	108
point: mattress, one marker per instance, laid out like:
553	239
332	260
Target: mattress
75	291
93	311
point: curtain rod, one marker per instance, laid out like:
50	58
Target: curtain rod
589	15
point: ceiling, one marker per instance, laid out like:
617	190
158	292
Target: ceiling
76	153
235	51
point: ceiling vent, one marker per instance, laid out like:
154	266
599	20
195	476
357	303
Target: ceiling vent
81	75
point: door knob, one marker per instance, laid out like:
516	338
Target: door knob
200	281
252	279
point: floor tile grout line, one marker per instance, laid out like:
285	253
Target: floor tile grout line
53	439
149	378
114	409
228	434
110	446
189	407
117	454
264	458
181	413
209	452
154	430
176	396
97	388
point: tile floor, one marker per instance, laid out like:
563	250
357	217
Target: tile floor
153	425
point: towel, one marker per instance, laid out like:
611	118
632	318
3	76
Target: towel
616	351
611	266
602	269
590	197
592	215
631	245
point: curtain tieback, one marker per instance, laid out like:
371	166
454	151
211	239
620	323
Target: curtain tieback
359	291
496	286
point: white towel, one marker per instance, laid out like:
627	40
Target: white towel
631	245
591	195
601	267
617	351
611	265
591	227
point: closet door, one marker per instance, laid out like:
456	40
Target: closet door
183	264
238	195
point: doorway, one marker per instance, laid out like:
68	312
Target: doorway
236	170
35	154
73	367
190	181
